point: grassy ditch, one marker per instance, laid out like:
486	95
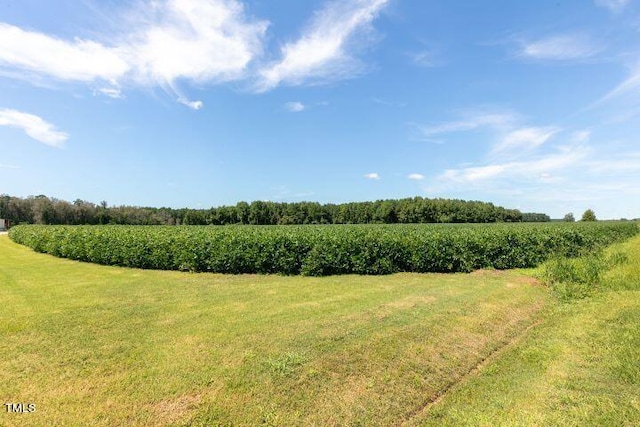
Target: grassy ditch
578	367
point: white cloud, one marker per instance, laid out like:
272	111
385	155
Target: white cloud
472	120
631	163
542	166
9	166
427	58
526	138
112	92
164	42
507	136
195	40
294	107
33	126
516	151
581	136
194	105
373	176
631	85
322	52
565	47
569	180
416	176
613	5
40	54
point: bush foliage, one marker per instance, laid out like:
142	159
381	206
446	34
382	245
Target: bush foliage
323	250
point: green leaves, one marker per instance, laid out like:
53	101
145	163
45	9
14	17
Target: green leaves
323	250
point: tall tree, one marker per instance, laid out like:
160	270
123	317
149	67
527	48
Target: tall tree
588	215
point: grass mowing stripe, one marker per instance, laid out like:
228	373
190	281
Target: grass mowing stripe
108	346
578	367
493	356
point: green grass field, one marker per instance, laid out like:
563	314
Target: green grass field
108	346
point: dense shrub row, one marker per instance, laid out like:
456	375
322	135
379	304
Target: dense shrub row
322	250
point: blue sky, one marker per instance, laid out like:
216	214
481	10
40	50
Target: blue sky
200	103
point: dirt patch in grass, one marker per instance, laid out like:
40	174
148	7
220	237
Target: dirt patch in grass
170	411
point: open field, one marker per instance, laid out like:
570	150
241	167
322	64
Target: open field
96	345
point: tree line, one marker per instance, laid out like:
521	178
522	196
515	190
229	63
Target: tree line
44	210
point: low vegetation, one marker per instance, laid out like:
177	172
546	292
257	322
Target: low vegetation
323	250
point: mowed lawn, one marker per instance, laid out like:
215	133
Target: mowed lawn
96	345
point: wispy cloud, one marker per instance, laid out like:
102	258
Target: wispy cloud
43	55
194	105
541	166
112	91
285	193
373	175
33	126
613	5
427	58
631	85
164	42
581	136
9	166
196	40
294	107
510	137
386	103
416	176
471	120
517	156
323	51
564	47
630	163
525	139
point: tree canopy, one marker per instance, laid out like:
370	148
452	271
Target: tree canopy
588	215
44	210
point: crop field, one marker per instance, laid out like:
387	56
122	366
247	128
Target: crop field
323	250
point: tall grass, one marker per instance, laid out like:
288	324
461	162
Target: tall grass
578	278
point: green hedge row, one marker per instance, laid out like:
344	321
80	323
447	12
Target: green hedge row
322	250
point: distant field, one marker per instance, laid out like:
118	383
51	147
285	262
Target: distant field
108	346
324	250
